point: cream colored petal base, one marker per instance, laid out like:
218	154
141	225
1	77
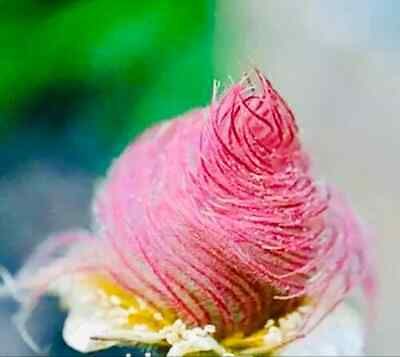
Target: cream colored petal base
97	321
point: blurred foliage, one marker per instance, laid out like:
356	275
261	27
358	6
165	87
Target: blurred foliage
113	66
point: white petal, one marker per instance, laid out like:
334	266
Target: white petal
340	334
79	330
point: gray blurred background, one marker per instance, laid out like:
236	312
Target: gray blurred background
336	62
338	65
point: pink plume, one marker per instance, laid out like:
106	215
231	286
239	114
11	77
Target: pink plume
216	215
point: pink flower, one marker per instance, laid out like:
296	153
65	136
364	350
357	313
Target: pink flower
217	217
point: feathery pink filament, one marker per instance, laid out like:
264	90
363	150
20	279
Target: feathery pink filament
216	213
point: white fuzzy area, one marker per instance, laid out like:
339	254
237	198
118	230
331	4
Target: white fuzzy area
340	334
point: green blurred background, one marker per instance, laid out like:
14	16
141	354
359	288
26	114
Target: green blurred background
106	69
